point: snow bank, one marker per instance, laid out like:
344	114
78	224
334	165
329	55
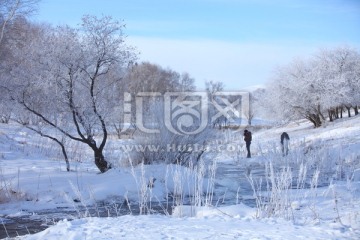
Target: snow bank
219	226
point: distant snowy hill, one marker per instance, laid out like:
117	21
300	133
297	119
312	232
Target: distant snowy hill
254	88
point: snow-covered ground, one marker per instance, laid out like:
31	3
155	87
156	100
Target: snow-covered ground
33	178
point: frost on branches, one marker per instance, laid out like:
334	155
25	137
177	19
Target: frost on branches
319	88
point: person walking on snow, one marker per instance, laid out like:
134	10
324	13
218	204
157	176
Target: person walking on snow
284	140
247	139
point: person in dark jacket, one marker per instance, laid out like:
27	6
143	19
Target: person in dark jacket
247	139
284	140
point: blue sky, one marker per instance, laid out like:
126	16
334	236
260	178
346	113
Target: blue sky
238	42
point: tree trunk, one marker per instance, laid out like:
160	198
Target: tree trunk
330	113
341	112
65	157
337	112
117	130
348	110
319	114
63	149
356	109
315	119
100	161
60	142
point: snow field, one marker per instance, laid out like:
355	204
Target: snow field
32	179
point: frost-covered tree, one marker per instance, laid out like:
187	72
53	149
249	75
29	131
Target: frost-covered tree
12	9
186	83
13	14
67	77
213	87
145	77
149	77
314	87
256	106
285	95
160	144
339	69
